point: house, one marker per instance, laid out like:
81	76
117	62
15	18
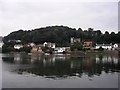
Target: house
18	46
104	46
74	40
1	44
36	49
61	49
49	44
88	45
31	44
115	46
17	41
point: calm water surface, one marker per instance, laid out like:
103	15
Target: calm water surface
59	71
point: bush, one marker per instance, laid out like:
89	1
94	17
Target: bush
101	49
76	46
25	49
6	49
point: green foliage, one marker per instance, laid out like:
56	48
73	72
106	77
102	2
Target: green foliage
25	49
47	50
61	36
101	49
6	48
76	46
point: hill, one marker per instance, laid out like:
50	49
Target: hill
61	35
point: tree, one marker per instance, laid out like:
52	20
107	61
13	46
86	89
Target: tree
76	46
60	35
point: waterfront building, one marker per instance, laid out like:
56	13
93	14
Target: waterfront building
1	44
18	46
88	45
104	46
74	40
61	49
36	49
49	44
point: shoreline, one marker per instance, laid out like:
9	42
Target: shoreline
75	53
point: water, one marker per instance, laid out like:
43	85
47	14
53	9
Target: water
59	71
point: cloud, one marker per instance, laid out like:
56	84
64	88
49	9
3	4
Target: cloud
33	14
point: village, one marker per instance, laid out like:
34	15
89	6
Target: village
76	44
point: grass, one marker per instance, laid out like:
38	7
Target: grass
96	52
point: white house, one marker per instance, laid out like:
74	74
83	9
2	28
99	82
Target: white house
44	44
31	44
61	49
49	44
104	46
74	40
17	41
1	44
18	46
115	46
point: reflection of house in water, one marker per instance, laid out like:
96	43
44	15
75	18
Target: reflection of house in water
53	65
35	57
75	65
88	62
82	62
49	61
21	59
115	60
60	57
107	59
17	58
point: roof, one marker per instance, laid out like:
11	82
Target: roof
61	47
87	42
103	44
18	45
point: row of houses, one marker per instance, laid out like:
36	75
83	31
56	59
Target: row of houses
104	46
89	45
107	46
38	48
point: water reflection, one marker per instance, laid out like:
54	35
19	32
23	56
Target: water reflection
62	66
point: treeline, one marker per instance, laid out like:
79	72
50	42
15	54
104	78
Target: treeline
61	35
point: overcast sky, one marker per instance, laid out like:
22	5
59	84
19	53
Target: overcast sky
30	14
